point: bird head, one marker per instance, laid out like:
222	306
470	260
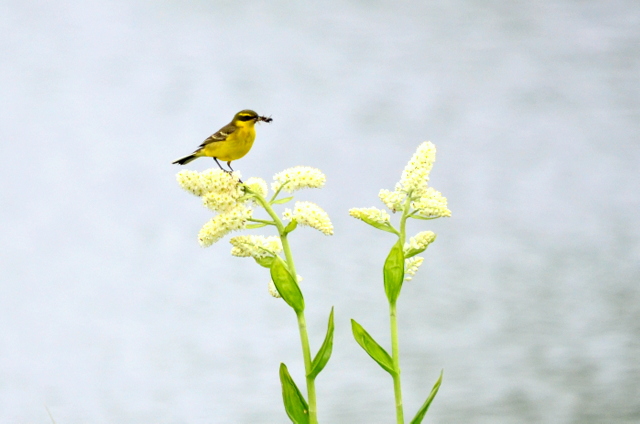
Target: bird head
246	116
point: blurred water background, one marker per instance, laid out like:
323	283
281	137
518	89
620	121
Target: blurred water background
110	312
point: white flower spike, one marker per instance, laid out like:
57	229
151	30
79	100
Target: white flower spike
311	215
411	266
224	223
421	240
256	247
416	174
297	178
432	204
258	186
372	214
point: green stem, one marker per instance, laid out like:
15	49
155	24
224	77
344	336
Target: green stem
304	337
302	324
406	213
275	195
261	221
311	383
393	319
395	355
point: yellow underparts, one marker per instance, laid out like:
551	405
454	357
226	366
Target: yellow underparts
234	147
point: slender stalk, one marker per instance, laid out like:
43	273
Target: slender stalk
302	324
311	383
304	339
275	195
261	221
393	320
395	355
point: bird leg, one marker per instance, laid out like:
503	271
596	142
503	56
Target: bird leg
229	165
228	172
216	159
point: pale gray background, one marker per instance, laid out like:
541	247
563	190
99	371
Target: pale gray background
529	300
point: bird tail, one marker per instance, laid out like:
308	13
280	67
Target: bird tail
185	160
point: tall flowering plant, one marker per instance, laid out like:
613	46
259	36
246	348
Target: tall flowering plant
235	204
412	199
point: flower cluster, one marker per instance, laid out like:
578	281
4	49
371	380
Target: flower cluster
376	215
255	246
415	199
393	199
411	266
413	184
258	186
415	175
311	215
210	181
190	181
420	241
224	223
297	178
432	204
220	192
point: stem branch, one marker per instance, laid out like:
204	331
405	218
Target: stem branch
302	324
261	221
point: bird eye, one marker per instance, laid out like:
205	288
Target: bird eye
246	117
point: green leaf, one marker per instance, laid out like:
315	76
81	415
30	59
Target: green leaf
294	403
324	353
385	226
290	226
254	226
266	262
281	201
410	253
394	272
425	406
370	346
286	285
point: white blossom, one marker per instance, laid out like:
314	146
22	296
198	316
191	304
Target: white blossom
393	199
432	204
372	214
420	241
297	178
255	246
415	175
411	266
258	186
224	223
311	215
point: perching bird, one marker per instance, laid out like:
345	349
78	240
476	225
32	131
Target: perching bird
230	142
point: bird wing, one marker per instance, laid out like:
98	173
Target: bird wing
220	135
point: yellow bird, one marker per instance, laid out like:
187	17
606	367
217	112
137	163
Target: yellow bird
230	142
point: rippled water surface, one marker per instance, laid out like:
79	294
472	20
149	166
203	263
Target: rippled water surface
529	300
